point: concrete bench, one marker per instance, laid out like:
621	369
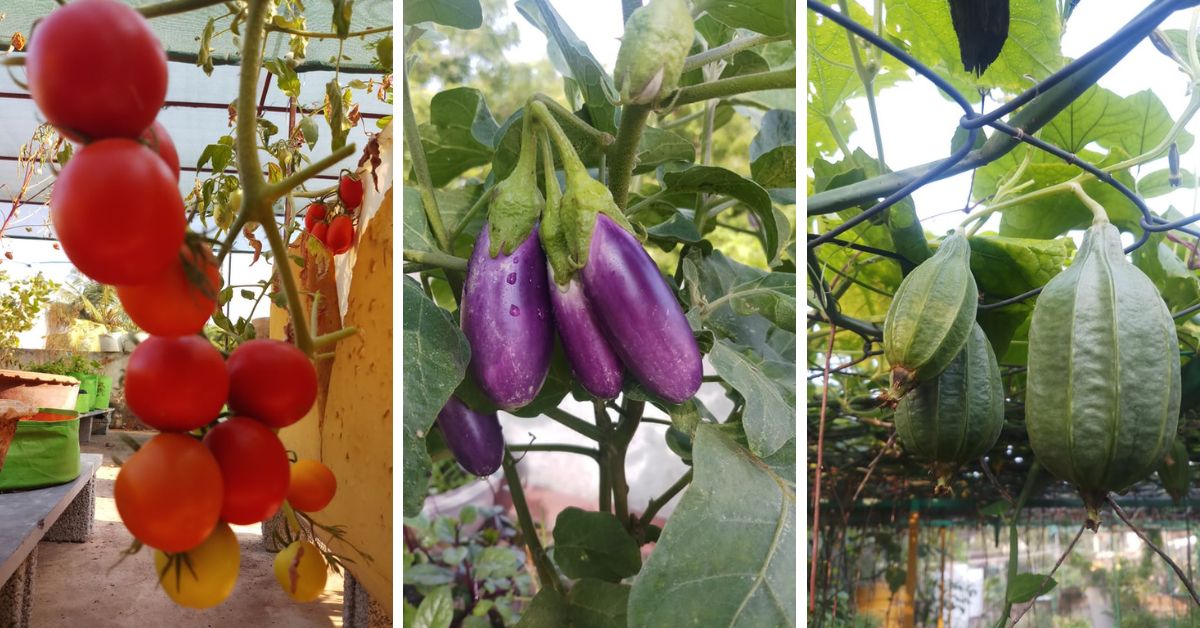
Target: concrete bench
60	514
87	419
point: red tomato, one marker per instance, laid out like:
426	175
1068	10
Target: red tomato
350	191
159	141
341	234
314	214
179	302
272	381
176	384
320	231
169	493
254	469
118	213
96	70
312	486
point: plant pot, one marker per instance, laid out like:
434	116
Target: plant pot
8	428
40	390
109	343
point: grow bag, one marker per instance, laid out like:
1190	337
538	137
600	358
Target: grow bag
103	392
42	453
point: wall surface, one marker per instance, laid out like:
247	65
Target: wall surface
353	433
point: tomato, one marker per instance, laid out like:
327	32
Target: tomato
320	231
179	302
176	383
301	571
350	191
254	469
118	213
96	70
203	576
314	214
157	139
169	493
272	381
341	234
311	487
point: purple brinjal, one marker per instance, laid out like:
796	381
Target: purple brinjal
592	359
475	439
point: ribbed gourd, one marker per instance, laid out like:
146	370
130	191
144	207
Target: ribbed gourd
931	316
1102	401
957	416
1174	473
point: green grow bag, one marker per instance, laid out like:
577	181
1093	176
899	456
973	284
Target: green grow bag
103	392
83	402
43	453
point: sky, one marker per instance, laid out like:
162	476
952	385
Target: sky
917	122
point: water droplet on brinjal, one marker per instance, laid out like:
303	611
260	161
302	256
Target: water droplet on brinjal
514	310
511	279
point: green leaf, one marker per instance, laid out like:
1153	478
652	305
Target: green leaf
773	150
1134	123
1006	267
1158	183
714	180
769	390
435	360
496	562
1026	586
716	275
598	604
460	134
769	17
286	78
677	228
713	569
659	147
594	545
574	60
508	145
1179	286
428	575
995	509
436	610
337	117
745	62
547	609
308	127
464	14
773	296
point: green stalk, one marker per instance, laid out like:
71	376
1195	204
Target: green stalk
777	79
173	7
623	156
436	258
657	503
545	569
605	424
569	449
416	152
575	423
1013	540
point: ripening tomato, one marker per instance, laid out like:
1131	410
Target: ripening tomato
312	486
169	493
341	234
272	381
301	571
320	231
179	302
118	213
350	191
176	383
157	139
254	469
96	70
314	214
203	576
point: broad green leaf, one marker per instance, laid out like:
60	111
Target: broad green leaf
1001	325
577	62
548	609
1134	123
598	604
773	150
496	562
436	610
769	390
1027	586
1005	267
428	575
1032	47
745	62
594	545
772	296
416	228
714	32
716	275
464	14
508	145
1179	286
453	205
460	134
714	180
435	360
713	569
1158	183
769	17
677	228
659	147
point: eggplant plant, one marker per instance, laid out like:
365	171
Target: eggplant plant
625	245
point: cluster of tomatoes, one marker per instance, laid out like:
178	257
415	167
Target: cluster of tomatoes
333	224
99	75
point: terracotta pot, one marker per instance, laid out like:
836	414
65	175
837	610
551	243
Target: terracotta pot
40	390
8	428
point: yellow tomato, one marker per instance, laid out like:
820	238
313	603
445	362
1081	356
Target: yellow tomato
300	570
203	576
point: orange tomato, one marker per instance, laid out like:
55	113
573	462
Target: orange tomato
169	493
312	486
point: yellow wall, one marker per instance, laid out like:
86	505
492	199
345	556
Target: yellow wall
354	437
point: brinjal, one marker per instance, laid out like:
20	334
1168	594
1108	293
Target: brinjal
639	313
475	439
506	318
593	361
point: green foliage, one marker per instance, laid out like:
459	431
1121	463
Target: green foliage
65	365
21	302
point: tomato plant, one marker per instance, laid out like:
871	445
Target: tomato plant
340	236
254	469
312	485
181	300
176	383
350	191
618	257
271	381
169	493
